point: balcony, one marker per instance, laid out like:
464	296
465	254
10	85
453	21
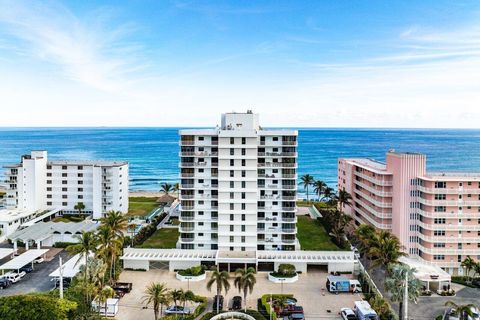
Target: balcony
187	239
187	207
289	187
187	142
290	209
187	217
276	154
198	154
377	191
288	240
289	219
380	182
187	175
289	143
187	186
289	230
454	215
449	203
448	190
277	165
186	229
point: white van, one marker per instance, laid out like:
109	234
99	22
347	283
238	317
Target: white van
364	311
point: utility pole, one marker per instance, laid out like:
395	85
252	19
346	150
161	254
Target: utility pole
405	298
61	277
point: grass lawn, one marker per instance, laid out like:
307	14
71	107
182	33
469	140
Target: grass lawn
68	218
141	206
162	239
312	235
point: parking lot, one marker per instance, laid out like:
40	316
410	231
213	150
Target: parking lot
309	290
38	280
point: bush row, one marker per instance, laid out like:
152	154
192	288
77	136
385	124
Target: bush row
148	231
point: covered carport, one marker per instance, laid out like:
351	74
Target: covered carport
23	260
70	268
5	252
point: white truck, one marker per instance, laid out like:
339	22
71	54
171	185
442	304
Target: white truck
364	311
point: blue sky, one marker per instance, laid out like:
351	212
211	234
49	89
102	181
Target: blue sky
181	63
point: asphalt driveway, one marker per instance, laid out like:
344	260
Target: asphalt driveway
35	281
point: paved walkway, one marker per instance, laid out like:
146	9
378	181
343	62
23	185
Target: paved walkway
309	290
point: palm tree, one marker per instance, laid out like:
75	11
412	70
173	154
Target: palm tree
166	188
339	223
380	306
79	206
176	188
463	311
365	233
385	249
280	302
245	281
307	180
90	277
395	284
86	244
344	198
319	188
328	194
117	223
106	293
156	293
186	296
476	269
176	295
220	279
468	264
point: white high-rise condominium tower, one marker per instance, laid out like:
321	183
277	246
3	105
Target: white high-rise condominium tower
39	184
238	186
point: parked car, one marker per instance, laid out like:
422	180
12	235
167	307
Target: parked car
123	287
28	268
295	316
38	260
237	303
14	277
452	315
177	310
219	300
5	283
348	314
291	309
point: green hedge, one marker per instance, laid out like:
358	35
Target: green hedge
193	271
36	306
201	307
60	244
464	281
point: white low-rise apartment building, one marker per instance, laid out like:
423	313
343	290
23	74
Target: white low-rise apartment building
37	184
238	186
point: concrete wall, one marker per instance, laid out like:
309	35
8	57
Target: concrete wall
299	266
177	265
341	267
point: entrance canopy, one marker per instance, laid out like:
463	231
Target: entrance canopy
168	254
23	259
426	272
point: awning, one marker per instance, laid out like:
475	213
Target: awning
70	268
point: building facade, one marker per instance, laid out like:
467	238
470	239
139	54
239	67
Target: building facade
238	186
436	216
37	184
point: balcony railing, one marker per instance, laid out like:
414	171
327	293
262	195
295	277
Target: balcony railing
288	240
187	239
187	218
448	190
380	182
186	229
187	175
289	230
289	208
277	165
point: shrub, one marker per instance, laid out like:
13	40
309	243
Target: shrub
36	306
201	307
193	271
146	232
60	244
287	269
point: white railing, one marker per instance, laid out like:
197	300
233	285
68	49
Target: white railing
376	191
453	215
450	227
448	190
381	215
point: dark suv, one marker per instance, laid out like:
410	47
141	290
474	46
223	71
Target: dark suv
237	303
4	283
217	299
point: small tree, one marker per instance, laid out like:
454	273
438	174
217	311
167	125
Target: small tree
395	284
287	269
220	279
157	294
245	281
80	207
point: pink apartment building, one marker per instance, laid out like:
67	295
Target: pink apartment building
436	216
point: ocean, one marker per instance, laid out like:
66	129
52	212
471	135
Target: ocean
153	152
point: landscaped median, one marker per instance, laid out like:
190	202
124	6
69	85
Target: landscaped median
192	274
286	274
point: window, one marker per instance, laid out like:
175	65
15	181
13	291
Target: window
64	182
64	189
64	196
49	203
244	184
440	196
80	196
244	151
243	206
232	228
438	257
49	174
439	245
243	239
231	206
440	184
49	181
81	168
231	217
244	162
232	195
80	189
243	195
439	233
49	196
232	140
232	173
64	167
201	138
232	184
243	217
80	175
64	203
243	173
244	140
243	228
232	162
49	188
232	151
439	220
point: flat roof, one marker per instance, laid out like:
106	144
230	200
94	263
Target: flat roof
5	252
452	176
43	230
70	268
7	215
424	271
23	259
103	163
369	164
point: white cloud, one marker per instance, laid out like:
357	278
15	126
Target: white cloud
432	79
87	49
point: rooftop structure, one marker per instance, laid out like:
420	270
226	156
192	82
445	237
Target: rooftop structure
436	216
